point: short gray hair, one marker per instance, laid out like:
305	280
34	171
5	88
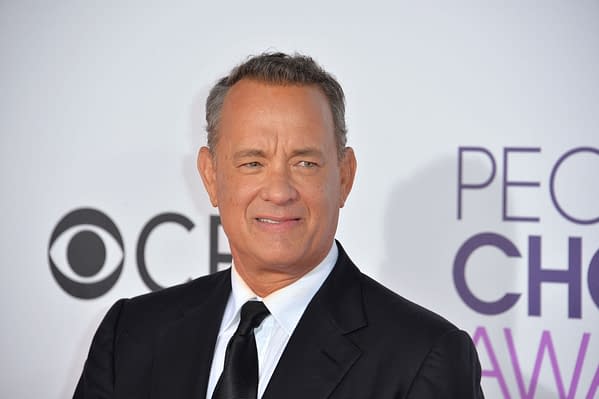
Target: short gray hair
279	69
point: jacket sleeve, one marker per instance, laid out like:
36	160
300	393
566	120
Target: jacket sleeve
451	370
97	378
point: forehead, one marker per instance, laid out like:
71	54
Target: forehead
254	110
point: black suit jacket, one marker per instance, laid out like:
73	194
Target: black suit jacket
356	339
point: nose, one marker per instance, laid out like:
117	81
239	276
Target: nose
278	187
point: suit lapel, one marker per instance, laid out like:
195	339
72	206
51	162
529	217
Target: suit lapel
184	349
319	353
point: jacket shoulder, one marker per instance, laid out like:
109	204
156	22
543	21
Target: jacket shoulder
142	312
386	312
396	313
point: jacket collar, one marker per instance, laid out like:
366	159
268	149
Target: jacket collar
317	357
319	353
185	347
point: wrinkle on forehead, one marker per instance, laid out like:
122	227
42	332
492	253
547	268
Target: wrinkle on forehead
268	118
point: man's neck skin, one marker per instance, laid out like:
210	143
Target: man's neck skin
265	282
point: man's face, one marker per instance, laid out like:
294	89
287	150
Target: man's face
276	177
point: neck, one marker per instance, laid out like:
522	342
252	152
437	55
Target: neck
264	283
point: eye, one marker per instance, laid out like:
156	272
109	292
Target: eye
307	164
86	253
251	165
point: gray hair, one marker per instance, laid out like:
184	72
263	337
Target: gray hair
279	69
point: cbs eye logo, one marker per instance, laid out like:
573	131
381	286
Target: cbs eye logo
86	251
82	243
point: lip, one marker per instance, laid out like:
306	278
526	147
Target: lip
276	223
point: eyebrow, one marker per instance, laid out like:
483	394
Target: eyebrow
308	151
249	153
254	152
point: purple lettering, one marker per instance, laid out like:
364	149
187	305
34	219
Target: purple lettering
593	278
594	385
461	184
552	185
507	183
546	345
538	275
459	273
495	371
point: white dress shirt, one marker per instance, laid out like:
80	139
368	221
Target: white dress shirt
286	307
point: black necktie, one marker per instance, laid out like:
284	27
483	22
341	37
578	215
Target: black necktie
239	379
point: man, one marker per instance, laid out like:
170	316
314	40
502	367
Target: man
312	326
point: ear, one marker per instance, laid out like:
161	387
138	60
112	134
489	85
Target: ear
348	165
207	168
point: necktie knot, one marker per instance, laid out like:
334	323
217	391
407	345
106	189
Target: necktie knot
252	314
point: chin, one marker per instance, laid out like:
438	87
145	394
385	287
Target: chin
279	259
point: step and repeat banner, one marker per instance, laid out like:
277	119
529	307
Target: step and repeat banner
476	128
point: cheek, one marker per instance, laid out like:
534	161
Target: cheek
332	188
234	192
323	196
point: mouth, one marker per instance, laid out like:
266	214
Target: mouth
269	221
274	221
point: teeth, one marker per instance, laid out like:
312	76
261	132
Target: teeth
268	221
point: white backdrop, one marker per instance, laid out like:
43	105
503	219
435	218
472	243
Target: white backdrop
102	107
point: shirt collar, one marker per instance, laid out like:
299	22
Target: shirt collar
287	304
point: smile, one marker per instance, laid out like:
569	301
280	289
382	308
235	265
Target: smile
276	221
271	221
